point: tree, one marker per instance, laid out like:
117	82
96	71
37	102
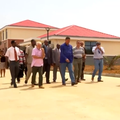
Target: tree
110	62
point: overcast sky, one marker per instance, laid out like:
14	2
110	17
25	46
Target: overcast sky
99	15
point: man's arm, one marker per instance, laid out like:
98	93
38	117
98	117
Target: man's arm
62	53
102	50
43	53
53	56
94	49
36	57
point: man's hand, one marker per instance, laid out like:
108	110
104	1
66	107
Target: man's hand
67	60
84	56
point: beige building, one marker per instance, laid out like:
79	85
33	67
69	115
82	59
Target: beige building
110	43
21	31
89	37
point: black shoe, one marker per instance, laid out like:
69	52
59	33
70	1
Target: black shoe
15	86
100	80
48	83
11	83
73	84
83	79
25	81
54	80
76	83
66	79
18	80
64	84
35	83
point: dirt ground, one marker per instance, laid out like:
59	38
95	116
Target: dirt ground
85	101
115	70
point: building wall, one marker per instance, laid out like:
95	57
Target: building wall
7	43
72	42
111	48
24	33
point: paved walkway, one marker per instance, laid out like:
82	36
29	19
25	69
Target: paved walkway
86	101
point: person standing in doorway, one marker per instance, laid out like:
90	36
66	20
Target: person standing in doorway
47	61
13	55
66	59
37	64
83	62
78	53
2	64
98	60
28	57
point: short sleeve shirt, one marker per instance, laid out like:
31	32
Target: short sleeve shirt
37	62
10	53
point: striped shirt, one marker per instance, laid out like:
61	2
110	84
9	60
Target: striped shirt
21	58
78	52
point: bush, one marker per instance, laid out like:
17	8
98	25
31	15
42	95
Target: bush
110	62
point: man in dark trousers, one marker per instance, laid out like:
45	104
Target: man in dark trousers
47	60
56	61
13	55
83	62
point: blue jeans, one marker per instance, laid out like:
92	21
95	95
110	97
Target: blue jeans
98	63
71	73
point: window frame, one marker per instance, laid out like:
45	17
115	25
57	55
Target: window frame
91	45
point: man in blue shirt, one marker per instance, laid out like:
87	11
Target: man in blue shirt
66	59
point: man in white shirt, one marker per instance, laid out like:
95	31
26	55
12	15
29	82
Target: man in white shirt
98	60
13	55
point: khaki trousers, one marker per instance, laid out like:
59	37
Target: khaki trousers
29	71
77	63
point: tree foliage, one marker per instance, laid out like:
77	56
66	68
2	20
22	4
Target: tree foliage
110	62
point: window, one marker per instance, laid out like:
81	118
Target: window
88	46
6	33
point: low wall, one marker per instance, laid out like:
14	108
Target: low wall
90	60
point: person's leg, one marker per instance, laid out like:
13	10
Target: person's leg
21	70
4	72
17	70
100	69
40	70
75	64
55	73
25	71
96	65
12	71
18	77
63	68
1	72
29	70
82	73
45	65
34	72
48	73
79	69
71	73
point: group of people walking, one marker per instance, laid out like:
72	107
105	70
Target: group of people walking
40	57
